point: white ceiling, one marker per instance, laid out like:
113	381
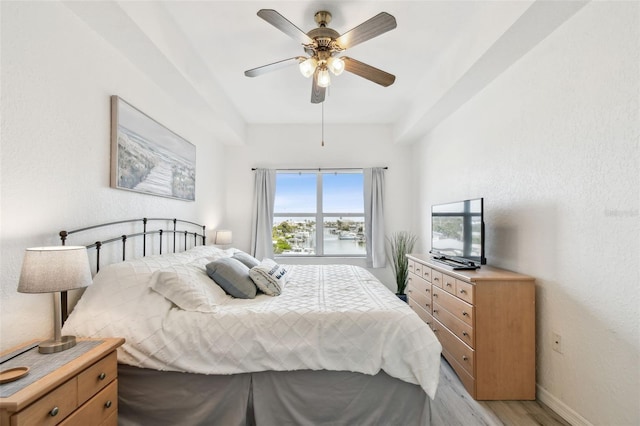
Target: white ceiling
442	53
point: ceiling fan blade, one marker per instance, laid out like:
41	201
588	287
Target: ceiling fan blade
284	25
379	24
274	66
367	71
317	92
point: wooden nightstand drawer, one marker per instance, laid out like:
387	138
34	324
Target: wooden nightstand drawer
51	409
78	386
98	409
97	377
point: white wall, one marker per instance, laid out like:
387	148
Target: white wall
553	147
57	77
298	146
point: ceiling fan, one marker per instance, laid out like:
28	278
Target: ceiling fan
324	46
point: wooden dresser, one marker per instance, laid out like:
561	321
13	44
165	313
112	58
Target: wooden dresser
485	321
81	391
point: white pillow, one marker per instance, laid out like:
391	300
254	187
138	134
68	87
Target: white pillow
269	277
189	287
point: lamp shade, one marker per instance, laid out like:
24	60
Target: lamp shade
224	237
53	269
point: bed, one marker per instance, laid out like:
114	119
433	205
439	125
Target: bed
334	347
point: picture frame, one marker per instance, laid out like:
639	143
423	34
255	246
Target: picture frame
149	158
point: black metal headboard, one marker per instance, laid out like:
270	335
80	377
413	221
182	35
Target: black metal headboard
180	228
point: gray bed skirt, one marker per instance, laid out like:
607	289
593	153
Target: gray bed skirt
270	398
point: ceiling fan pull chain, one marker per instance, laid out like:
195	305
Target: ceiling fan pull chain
322	123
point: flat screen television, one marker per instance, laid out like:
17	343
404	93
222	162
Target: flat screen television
457	233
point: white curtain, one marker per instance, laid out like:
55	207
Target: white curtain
374	216
261	225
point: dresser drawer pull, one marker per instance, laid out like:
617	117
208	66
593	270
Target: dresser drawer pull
464	313
435	294
427	290
102	376
465	358
436	279
54	411
107	404
463	291
427	305
448	284
435	311
409	291
465	334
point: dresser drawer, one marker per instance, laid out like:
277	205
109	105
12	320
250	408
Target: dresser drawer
98	409
436	278
426	273
51	408
97	377
448	284
459	308
461	329
465	291
422	313
460	352
411	265
421	296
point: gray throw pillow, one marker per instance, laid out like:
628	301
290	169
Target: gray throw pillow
233	276
246	258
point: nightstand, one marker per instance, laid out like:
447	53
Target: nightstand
78	386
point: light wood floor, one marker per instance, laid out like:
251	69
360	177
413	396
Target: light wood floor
454	407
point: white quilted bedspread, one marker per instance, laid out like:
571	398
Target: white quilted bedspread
328	317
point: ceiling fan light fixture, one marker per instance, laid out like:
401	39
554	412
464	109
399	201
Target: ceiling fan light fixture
324	80
336	65
308	66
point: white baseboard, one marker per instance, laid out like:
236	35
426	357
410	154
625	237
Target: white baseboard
561	408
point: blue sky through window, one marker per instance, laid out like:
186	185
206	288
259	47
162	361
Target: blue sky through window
296	193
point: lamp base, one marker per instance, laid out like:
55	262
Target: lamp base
53	346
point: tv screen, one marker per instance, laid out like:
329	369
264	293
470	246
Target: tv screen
457	232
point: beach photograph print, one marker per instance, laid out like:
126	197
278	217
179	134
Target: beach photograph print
149	158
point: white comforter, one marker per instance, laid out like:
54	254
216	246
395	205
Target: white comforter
331	317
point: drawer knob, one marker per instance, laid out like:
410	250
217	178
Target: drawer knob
54	411
465	358
448	284
465	314
102	376
465	334
436	279
107	404
463	291
435	311
409	291
435	294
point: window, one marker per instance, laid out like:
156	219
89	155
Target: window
319	214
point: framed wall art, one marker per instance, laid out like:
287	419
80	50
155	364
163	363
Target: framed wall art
149	158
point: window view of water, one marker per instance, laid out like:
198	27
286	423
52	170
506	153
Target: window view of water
297	236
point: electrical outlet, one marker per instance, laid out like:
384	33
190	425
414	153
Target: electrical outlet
556	342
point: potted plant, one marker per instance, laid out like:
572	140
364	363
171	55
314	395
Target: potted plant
401	243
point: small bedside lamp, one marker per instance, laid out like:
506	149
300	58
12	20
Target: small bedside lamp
52	270
223	238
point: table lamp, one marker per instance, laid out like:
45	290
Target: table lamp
52	270
223	237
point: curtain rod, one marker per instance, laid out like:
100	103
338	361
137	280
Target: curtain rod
321	168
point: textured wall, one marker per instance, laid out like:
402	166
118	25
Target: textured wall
553	147
57	77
